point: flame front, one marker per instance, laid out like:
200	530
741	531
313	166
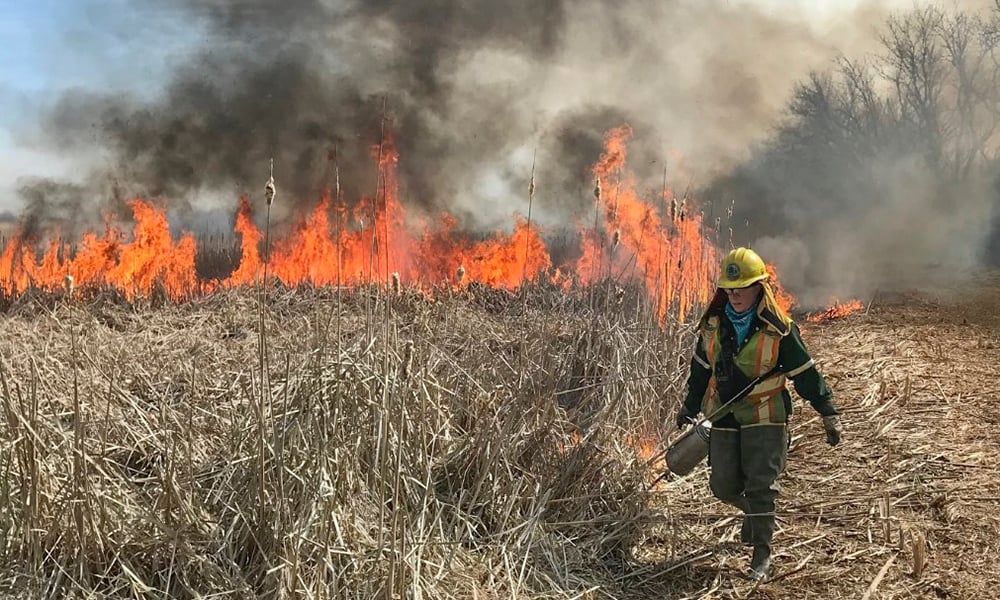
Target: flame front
659	242
672	256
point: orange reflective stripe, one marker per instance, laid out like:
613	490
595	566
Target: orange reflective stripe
764	412
768	387
760	356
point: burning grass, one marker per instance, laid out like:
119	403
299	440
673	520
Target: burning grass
332	444
636	235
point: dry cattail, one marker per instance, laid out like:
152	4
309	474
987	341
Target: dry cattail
597	189
269	189
336	185
718	223
395	283
531	186
919	554
68	282
616	239
460	274
407	358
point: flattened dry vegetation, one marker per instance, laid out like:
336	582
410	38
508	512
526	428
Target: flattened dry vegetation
478	445
906	506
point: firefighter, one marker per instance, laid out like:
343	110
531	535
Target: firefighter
744	334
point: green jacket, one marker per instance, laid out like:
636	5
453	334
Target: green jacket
793	361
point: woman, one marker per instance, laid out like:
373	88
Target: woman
745	334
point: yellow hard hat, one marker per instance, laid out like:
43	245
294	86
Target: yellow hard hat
740	268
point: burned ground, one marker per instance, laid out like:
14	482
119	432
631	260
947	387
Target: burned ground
916	378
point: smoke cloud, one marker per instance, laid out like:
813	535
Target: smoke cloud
885	176
472	91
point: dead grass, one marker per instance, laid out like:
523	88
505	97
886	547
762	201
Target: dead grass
479	445
375	446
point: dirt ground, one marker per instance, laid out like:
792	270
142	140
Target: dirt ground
907	505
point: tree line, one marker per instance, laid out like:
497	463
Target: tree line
915	125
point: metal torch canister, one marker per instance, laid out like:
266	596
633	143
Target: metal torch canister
690	449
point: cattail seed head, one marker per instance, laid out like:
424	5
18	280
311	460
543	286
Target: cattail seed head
68	282
616	239
460	273
269	189
407	359
395	283
597	189
531	186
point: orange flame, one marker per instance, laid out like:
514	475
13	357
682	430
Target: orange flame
654	241
836	310
673	258
785	300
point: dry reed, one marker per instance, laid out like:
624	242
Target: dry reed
156	451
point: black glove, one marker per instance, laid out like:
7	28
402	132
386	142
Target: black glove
831	423
684	417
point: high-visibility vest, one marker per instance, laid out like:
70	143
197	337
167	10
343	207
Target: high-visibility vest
766	402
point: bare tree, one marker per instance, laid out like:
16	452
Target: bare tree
916	67
973	89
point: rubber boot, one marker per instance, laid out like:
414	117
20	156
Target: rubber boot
763	530
760	564
762	462
746	532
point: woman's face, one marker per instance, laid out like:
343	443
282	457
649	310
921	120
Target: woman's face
743	298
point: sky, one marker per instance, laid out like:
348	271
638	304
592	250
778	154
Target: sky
51	47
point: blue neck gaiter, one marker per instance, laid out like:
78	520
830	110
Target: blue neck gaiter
741	321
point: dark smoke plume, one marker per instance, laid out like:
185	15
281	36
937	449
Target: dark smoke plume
471	90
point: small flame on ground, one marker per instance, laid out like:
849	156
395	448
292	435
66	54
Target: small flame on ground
651	453
836	310
573	442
